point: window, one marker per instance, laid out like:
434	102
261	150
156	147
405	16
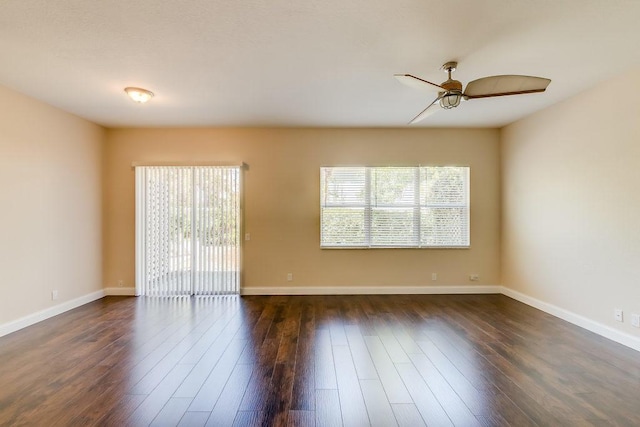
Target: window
394	207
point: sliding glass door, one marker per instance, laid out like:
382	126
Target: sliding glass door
188	230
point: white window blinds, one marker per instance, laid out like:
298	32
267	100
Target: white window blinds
382	207
188	230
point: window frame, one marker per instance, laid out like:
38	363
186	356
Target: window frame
417	207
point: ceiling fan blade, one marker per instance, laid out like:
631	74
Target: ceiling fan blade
434	107
417	82
505	85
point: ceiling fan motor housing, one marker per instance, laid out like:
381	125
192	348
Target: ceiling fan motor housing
452	85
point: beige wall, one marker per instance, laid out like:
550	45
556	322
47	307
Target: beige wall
571	203
50	206
282	201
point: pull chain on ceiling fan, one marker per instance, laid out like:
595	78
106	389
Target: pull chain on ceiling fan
450	92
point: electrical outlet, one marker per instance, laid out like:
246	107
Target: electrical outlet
617	314
289	277
635	320
54	295
247	236
434	276
474	277
120	283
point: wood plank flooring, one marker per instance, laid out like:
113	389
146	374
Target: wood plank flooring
406	360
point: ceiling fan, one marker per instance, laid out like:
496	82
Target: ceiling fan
450	92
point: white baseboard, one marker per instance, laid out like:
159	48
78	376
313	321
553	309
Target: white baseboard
588	324
127	292
370	290
41	315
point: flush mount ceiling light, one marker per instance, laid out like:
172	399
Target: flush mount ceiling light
138	94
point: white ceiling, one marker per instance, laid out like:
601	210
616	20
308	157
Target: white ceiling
305	62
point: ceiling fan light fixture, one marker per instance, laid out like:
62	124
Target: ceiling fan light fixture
138	94
451	99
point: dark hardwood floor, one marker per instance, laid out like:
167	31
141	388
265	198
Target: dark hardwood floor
462	360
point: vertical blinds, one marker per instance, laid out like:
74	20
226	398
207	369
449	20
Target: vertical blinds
188	230
394	207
